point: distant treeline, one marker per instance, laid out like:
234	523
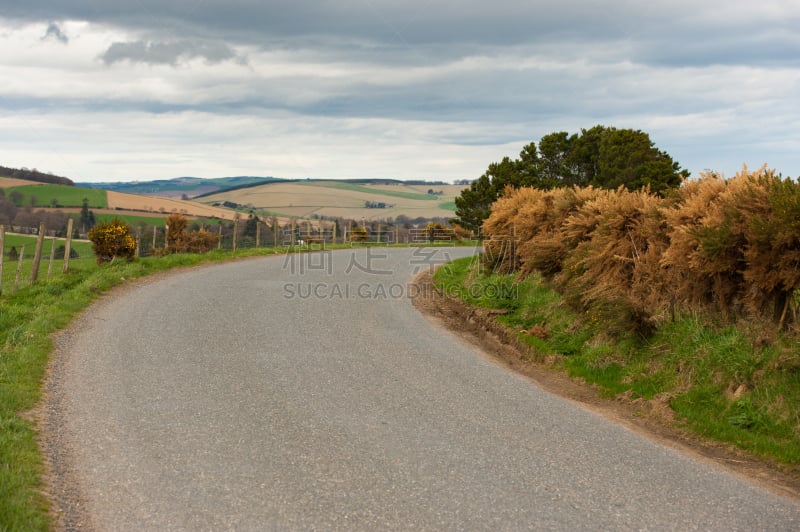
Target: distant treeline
35	175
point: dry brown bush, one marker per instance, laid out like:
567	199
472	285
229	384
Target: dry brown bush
180	240
735	245
770	207
633	259
614	274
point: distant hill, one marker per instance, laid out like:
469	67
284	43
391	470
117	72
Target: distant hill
369	199
180	186
35	176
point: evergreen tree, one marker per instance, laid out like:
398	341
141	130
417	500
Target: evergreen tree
86	220
604	157
251	226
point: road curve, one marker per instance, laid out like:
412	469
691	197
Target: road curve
307	393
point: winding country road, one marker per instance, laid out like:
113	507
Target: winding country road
308	393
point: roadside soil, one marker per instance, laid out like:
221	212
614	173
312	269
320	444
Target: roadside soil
653	419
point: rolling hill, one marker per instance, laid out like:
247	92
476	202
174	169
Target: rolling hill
378	200
70	198
180	186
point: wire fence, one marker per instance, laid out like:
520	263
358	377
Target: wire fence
29	254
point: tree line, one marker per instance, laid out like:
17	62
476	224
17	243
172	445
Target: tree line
35	175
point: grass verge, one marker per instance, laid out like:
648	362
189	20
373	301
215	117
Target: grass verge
737	385
28	318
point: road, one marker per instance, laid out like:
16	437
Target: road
308	393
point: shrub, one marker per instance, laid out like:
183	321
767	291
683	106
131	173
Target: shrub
180	240
359	234
201	241
60	250
613	272
634	259
437	232
111	240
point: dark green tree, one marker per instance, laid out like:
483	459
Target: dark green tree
603	157
86	220
474	204
555	162
629	158
251	226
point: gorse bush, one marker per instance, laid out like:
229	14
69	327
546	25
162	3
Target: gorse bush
633	259
359	234
111	240
181	240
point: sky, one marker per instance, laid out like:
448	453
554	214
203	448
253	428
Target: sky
99	90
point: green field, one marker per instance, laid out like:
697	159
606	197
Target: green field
83	247
64	196
376	191
448	206
131	219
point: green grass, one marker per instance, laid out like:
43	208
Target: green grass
65	196
448	206
135	220
83	247
378	191
695	364
131	219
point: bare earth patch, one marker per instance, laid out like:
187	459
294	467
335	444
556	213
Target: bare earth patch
653	419
165	206
6	182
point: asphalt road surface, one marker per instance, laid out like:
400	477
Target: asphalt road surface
308	393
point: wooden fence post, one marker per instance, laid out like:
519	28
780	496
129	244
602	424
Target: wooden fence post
19	267
2	255
292	235
37	255
67	246
235	231
258	234
138	251
219	240
52	257
155	234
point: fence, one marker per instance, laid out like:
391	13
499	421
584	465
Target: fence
18	256
23	261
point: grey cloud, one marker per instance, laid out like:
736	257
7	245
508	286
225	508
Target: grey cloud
679	30
168	53
54	32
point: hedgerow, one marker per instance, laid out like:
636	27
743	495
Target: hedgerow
633	259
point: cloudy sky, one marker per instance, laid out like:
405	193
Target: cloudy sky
438	89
